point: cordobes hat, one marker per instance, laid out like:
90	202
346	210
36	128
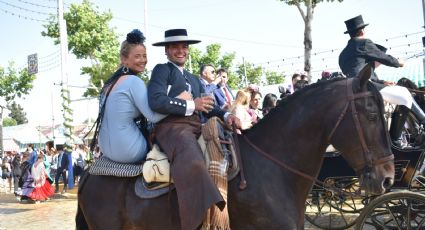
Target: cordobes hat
176	35
354	24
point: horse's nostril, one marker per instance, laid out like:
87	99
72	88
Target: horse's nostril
388	182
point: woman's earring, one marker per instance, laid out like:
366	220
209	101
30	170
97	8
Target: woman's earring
125	69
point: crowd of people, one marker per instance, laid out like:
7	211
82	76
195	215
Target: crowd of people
178	102
34	175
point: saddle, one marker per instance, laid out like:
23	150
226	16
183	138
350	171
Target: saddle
155	171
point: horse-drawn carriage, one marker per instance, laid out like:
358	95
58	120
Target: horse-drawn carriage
339	203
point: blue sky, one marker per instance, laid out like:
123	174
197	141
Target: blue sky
264	32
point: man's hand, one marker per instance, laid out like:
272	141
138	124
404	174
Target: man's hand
389	83
204	104
233	120
185	96
217	80
401	62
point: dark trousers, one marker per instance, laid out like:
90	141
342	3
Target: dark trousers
61	172
15	183
196	191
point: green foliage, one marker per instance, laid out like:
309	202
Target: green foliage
211	56
253	74
14	84
89	37
7	121
17	113
273	78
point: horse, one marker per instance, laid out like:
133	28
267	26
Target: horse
281	156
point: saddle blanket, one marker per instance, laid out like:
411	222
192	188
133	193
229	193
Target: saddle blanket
106	167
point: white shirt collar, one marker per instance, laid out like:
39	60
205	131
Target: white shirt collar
178	67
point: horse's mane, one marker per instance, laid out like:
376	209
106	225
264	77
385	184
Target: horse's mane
287	103
284	103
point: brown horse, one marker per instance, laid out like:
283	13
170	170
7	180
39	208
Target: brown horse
347	113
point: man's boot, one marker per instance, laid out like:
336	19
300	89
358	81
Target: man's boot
56	188
420	115
398	119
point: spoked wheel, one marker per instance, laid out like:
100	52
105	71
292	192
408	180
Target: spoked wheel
329	210
395	210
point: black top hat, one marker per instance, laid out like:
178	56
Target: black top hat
355	24
176	35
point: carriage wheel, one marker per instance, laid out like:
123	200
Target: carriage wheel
327	210
395	210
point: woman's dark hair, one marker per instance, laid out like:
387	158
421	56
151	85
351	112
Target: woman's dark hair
269	100
269	103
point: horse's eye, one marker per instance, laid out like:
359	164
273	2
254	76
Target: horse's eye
372	116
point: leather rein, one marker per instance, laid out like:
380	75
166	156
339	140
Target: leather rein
367	164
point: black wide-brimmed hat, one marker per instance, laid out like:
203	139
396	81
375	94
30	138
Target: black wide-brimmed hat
176	35
354	24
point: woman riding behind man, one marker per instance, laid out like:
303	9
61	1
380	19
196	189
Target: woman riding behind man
122	100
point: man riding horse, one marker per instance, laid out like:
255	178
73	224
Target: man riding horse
361	51
178	133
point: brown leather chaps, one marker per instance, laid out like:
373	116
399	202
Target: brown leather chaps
196	192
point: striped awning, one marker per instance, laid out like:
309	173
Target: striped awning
10	145
413	69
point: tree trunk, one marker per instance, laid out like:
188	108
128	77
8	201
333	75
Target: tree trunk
308	43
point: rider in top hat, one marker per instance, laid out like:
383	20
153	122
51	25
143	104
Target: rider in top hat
178	133
359	52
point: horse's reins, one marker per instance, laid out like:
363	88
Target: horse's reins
351	97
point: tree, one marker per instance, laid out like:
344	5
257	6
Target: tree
253	74
273	78
14	84
17	113
212	56
7	121
307	15
89	37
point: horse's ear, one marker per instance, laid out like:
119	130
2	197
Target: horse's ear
365	74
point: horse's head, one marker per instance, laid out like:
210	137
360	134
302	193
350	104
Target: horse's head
361	135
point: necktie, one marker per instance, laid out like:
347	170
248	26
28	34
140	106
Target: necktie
227	94
188	86
60	160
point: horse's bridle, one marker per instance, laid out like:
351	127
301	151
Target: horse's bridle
366	165
351	97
